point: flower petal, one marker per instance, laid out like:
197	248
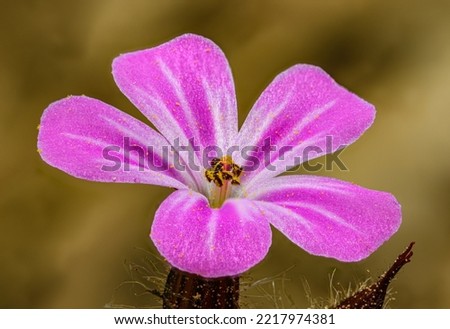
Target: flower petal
185	88
329	217
210	242
295	114
87	138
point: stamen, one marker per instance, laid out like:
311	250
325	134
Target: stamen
223	172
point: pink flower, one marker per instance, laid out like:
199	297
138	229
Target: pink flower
211	225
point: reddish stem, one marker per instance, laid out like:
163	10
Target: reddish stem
374	295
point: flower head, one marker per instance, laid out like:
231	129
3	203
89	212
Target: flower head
217	223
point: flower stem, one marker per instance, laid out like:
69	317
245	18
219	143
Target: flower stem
374	295
186	290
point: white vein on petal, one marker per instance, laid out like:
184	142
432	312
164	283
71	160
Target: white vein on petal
184	104
174	131
211	235
231	119
217	108
281	165
276	209
286	141
285	184
308	119
87	140
183	202
158	103
242	209
326	213
159	176
130	133
124	130
249	136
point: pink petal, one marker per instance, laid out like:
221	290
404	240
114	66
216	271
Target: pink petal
328	217
185	88
300	108
74	132
210	242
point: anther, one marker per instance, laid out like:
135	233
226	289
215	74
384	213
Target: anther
223	169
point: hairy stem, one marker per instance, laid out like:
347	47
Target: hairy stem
374	295
186	290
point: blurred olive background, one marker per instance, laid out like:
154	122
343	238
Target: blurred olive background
63	241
